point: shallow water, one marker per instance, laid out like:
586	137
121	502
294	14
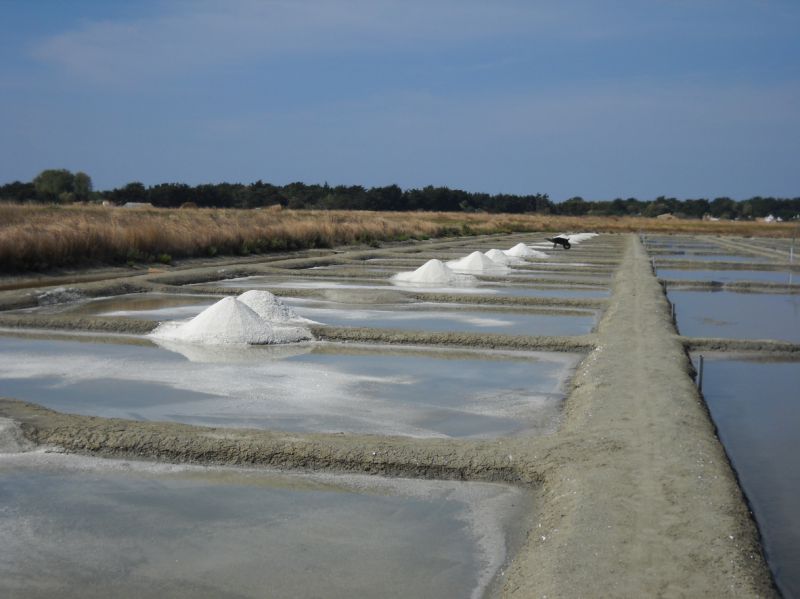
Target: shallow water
756	410
577	276
430	317
368	284
77	527
154	306
565	292
301	388
737	315
709	257
158	307
423	317
408	316
771	276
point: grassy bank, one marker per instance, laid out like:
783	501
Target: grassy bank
36	238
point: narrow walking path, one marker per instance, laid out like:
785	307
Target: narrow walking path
658	512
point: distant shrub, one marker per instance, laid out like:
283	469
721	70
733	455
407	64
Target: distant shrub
35	236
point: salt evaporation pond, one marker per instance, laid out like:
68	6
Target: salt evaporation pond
737	315
75	527
366	285
710	257
725	276
757	413
418	316
444	318
152	306
312	387
565	275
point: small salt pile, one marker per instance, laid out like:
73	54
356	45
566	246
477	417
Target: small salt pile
229	322
476	262
578	237
269	307
523	251
433	272
501	257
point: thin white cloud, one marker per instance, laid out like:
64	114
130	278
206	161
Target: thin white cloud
198	35
190	36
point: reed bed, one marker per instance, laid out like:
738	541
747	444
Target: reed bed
41	237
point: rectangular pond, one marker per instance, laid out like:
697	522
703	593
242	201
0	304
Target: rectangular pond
424	316
737	315
756	408
444	318
364	286
725	276
81	527
709	257
312	387
148	306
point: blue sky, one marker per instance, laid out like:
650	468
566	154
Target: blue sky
603	99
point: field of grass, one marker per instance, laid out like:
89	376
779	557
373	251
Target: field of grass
37	237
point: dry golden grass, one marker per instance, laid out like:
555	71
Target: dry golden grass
34	237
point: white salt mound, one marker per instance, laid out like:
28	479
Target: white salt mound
578	237
476	262
501	257
523	251
433	272
269	307
575	238
229	322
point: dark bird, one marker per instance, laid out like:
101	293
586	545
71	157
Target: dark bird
562	241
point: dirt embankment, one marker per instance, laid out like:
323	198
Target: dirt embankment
661	514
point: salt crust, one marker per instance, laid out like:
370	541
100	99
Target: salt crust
576	237
230	322
434	272
269	307
523	251
59	295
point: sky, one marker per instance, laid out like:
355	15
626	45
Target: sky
596	98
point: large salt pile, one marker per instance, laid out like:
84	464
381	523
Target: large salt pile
433	272
523	251
501	257
476	262
229	321
269	307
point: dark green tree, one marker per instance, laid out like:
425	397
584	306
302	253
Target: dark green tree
82	186
50	184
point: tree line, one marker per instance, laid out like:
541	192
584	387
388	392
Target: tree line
62	186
